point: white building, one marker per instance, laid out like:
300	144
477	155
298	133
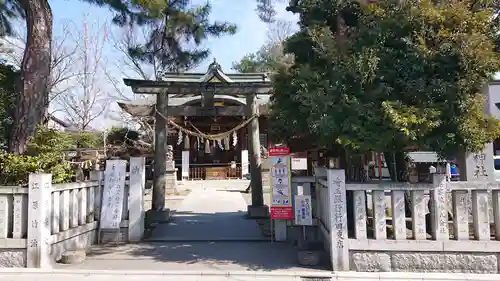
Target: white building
56	123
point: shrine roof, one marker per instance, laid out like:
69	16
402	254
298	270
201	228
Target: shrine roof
185	85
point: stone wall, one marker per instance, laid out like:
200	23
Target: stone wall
12	257
377	261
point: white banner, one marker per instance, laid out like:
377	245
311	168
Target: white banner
113	194
185	164
303	210
244	162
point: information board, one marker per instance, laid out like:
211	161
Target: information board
281	205
303	210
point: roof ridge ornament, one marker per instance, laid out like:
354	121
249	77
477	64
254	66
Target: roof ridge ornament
214	66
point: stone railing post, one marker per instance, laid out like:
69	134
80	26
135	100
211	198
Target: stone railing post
136	198
39	210
438	208
339	247
97	176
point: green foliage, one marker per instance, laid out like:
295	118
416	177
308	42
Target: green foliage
48	140
87	140
9	79
120	135
45	154
179	23
269	58
15	169
397	75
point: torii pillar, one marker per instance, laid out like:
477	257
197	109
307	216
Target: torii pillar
158	212
257	209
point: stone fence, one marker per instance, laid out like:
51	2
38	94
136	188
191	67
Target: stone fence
452	226
40	222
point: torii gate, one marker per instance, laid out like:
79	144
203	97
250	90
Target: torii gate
207	85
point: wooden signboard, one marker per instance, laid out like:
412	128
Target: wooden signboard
216	173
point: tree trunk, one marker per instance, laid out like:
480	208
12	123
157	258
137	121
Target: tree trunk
35	71
399	172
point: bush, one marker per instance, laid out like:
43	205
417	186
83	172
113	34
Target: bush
15	169
87	140
119	136
45	154
48	140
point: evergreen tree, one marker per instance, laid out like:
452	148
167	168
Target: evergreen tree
385	76
175	37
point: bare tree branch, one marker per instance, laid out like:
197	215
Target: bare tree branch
62	64
85	101
123	40
279	30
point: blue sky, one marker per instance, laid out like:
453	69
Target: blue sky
227	49
251	35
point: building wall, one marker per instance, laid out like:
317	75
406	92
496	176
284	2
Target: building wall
494	97
54	125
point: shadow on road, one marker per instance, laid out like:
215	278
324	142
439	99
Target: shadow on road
194	241
261	256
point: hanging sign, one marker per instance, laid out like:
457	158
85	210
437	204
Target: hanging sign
299	161
281	205
303	210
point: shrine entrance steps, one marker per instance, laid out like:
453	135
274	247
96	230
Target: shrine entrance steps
212	211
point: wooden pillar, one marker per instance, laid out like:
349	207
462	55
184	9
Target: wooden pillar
254	154
160	156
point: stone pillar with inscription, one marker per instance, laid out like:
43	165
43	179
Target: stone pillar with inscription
39	209
477	167
113	196
339	248
136	198
438	207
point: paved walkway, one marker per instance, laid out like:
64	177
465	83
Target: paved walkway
213	211
209	233
194	257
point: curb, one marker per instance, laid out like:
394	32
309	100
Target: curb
340	276
276	273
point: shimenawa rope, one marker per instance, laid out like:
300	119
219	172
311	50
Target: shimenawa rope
202	135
